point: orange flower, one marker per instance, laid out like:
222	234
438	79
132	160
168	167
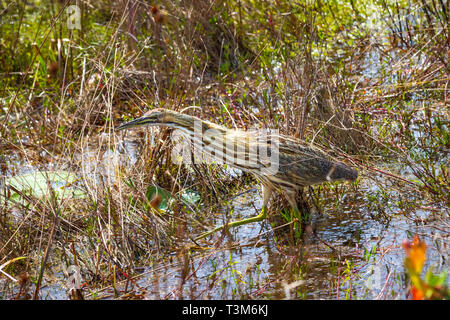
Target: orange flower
416	255
414	261
416	293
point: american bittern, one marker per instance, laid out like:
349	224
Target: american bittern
277	161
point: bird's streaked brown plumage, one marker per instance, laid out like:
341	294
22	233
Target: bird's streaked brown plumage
298	164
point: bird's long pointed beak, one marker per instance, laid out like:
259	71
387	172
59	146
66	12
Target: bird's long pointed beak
131	124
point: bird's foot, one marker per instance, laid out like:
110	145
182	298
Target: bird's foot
233	224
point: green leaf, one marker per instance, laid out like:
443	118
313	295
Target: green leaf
189	197
164	194
435	280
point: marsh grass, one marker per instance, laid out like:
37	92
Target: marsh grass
320	72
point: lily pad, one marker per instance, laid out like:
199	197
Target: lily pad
37	184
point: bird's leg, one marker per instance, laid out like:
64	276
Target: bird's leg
233	224
267	191
291	198
302	213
